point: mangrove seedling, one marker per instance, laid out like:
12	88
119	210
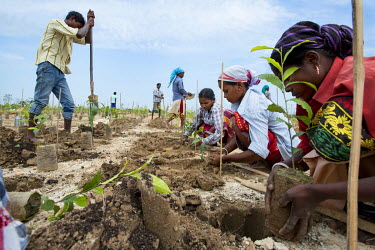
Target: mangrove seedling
280	83
94	185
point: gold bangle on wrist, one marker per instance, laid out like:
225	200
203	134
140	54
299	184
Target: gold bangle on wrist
226	150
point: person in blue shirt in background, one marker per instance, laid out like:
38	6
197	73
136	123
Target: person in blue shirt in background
179	93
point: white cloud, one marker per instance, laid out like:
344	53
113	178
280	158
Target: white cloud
10	57
155	25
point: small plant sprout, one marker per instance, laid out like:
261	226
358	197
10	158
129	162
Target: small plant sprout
198	138
93	111
39	126
280	83
94	185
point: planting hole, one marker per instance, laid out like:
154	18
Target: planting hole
249	223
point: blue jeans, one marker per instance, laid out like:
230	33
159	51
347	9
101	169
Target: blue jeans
51	79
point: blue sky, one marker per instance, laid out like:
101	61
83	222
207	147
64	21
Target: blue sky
138	43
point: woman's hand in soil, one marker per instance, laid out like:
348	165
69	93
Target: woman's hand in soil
214	160
304	202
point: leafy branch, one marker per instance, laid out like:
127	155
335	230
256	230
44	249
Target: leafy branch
94	185
280	83
39	126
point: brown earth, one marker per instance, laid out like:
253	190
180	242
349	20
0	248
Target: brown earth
206	210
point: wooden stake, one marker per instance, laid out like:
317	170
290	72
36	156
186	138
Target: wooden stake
53	98
196	112
120	102
22	99
221	118
358	73
58	119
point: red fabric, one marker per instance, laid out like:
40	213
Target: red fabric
274	154
339	82
181	110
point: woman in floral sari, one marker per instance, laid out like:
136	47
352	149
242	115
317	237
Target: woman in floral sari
327	63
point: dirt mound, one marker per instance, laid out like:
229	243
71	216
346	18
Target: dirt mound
133	216
157	123
119	222
23	183
15	150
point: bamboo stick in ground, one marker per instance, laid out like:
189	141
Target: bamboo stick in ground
358	73
196	110
58	120
221	118
53	98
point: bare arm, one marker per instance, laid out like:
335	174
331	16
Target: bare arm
83	32
232	145
244	157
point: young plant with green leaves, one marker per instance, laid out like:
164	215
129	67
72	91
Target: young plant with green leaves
198	138
94	185
42	118
280	83
93	112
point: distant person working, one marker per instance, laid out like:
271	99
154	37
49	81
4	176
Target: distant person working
53	58
113	100
266	92
179	93
158	96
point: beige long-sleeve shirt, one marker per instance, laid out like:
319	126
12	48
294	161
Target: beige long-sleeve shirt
56	45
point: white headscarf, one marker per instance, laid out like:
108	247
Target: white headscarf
238	73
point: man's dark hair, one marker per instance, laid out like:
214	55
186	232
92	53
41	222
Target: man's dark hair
158	84
77	16
114	93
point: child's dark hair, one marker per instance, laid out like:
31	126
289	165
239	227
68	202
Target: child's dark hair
331	39
78	17
207	93
114	93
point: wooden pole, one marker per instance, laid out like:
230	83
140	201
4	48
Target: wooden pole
22	99
196	113
58	119
120	102
53	98
221	117
358	73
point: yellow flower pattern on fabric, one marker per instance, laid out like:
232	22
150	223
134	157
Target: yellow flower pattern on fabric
317	117
368	143
330	109
330	131
340	125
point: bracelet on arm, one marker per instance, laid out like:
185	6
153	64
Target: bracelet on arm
226	151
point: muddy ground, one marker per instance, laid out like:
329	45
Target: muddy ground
205	210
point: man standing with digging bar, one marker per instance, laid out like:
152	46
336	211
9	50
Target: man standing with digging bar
53	58
158	96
